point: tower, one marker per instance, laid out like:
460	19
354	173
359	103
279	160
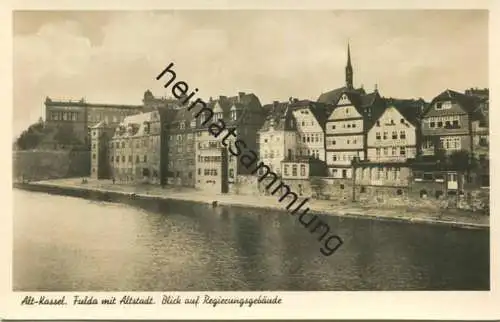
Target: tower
348	69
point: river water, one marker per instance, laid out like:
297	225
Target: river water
72	244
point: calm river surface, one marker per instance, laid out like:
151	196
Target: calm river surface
72	244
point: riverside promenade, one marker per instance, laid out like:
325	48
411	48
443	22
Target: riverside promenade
445	217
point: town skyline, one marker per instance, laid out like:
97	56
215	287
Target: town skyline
74	55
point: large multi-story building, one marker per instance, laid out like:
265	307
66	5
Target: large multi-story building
100	137
448	121
135	149
391	141
278	136
393	136
181	148
351	113
74	118
216	168
310	118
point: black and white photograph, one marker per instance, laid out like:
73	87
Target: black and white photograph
267	151
251	150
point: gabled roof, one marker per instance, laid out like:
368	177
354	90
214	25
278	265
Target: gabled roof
334	95
278	116
410	109
245	102
319	110
468	103
134	122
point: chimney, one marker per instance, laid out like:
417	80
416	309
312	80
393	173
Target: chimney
295	100
221	97
275	103
240	95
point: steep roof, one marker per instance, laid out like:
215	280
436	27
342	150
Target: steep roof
246	103
278	116
334	95
468	103
319	110
133	125
411	109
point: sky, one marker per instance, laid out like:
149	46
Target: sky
114	57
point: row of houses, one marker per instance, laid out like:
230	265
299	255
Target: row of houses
347	135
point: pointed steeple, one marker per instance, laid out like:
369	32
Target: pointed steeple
348	69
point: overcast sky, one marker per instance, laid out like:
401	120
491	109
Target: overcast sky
114	57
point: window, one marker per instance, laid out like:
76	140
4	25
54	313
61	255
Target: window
402	121
402	135
378	123
93	156
451	142
386	151
123	144
333	127
145	158
129	158
377	135
302	170
334	157
286	169
137	159
393	151
402	151
432	124
394	135
385	135
294	170
377	150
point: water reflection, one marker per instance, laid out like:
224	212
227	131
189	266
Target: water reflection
69	244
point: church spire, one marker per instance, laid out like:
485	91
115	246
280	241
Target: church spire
348	69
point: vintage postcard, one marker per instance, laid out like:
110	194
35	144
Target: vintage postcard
268	161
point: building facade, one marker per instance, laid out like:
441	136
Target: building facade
181	148
74	118
135	149
278	136
216	167
100	136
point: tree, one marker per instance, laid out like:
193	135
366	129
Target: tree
66	136
30	138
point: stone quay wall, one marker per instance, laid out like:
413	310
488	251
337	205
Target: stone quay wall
341	191
36	165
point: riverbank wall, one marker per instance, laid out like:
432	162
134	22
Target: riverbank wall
49	164
342	191
317	207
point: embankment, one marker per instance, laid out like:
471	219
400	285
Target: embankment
109	195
